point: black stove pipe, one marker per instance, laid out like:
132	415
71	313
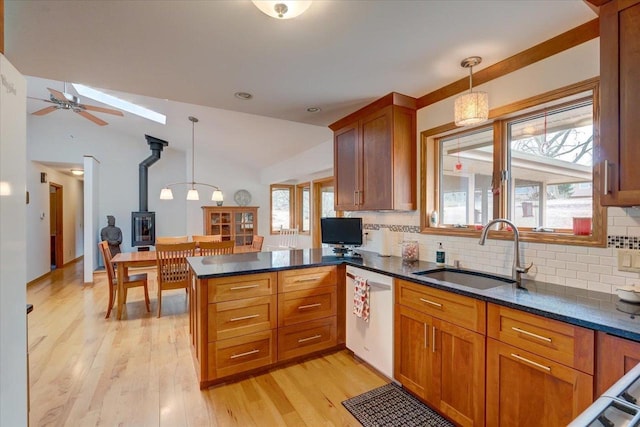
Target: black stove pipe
156	145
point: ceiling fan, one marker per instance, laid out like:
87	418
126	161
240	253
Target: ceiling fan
65	101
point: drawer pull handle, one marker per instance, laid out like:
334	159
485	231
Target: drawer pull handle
531	334
315	337
304	307
431	302
531	362
310	279
237	288
237	319
248	353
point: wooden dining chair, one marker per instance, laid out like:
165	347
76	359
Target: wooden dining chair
206	238
257	242
173	269
133	281
217	248
172	239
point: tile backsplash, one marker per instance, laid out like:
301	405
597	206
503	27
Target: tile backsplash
574	266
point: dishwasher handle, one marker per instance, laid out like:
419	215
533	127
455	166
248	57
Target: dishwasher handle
371	282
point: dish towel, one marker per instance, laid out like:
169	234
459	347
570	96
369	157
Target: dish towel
361	298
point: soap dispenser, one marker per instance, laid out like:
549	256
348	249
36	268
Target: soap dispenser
440	255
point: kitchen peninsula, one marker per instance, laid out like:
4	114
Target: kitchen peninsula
254	311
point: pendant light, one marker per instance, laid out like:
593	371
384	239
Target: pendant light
473	107
192	194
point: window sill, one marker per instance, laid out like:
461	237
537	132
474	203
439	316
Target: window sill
525	236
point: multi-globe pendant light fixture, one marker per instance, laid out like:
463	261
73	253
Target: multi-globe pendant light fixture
472	107
282	9
192	194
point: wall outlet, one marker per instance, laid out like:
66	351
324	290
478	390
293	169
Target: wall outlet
629	260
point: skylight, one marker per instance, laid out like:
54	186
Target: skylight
119	103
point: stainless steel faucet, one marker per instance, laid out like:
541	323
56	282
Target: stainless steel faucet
517	269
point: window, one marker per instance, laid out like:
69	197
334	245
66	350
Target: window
533	165
303	208
323	206
282	204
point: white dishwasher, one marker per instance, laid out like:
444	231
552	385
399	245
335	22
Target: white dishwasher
372	341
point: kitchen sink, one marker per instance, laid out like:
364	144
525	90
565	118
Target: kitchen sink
471	279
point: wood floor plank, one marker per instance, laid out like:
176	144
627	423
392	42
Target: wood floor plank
86	370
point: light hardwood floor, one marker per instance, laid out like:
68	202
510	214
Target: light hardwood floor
87	371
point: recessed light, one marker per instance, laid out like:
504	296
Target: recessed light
243	95
314	109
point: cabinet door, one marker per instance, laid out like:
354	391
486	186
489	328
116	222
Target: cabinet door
620	90
377	177
460	364
413	351
346	149
524	389
615	357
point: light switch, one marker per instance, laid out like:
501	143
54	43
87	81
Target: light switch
628	260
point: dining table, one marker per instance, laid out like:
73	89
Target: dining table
126	260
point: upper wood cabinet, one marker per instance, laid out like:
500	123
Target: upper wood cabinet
375	156
238	223
620	95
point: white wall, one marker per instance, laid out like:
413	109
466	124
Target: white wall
13	248
315	163
588	268
38	232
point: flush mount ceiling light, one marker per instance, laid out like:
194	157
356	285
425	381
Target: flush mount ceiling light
281	9
77	172
192	194
245	96
473	107
314	109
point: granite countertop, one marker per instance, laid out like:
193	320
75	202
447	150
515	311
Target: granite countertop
595	310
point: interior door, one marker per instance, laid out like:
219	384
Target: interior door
55	225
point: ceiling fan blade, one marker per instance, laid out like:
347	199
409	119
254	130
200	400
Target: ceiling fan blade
44	111
93	118
40	99
102	110
58	95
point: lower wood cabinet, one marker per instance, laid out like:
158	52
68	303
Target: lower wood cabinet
615	357
525	389
245	322
243	353
437	360
308	337
539	370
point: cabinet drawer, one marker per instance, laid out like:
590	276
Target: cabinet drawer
306	278
463	311
237	287
305	338
240	317
235	355
308	304
570	345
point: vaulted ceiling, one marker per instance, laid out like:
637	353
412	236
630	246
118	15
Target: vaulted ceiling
181	56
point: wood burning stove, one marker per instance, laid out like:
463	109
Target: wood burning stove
143	230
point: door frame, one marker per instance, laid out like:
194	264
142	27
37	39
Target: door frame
316	207
57	212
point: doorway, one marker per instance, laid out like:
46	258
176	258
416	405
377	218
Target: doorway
55	225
